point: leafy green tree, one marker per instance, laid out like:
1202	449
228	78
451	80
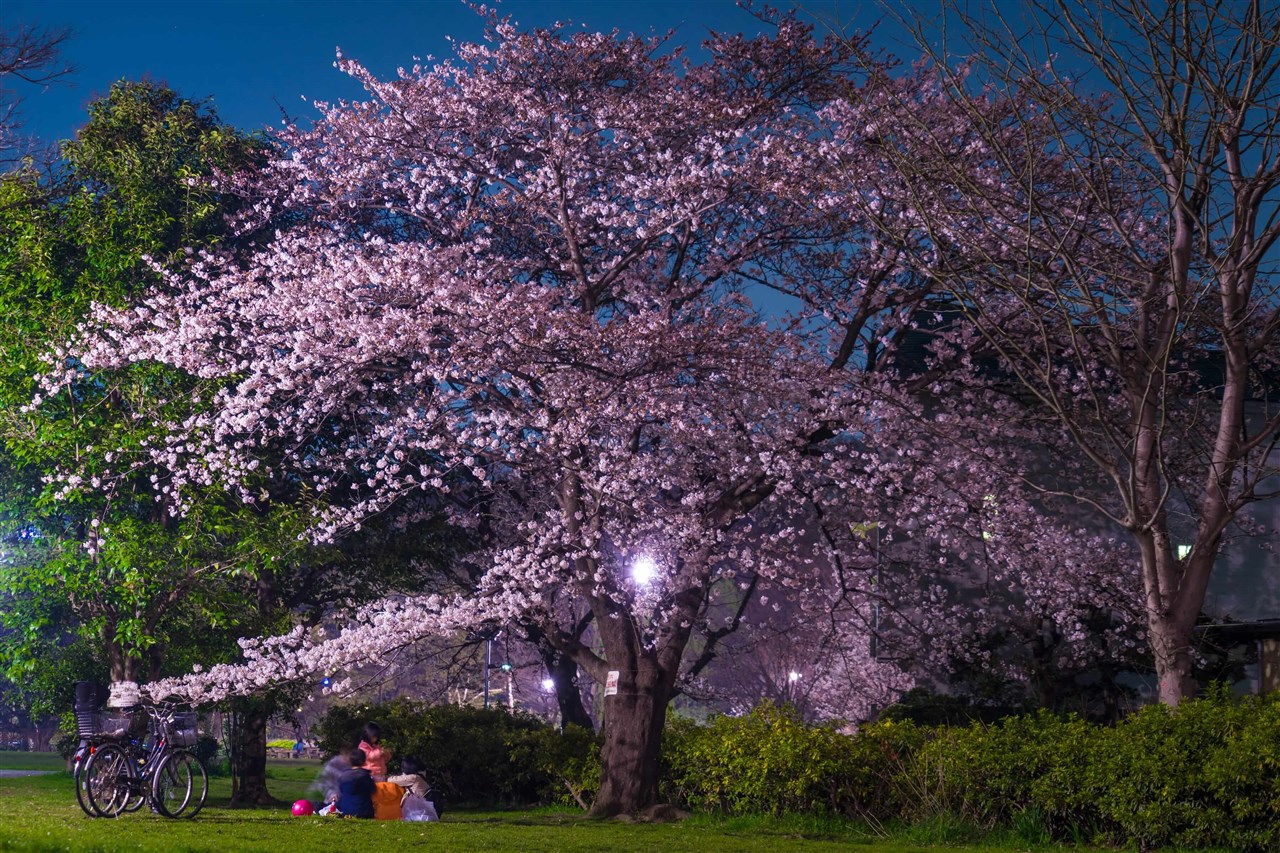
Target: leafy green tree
119	576
156	587
118	568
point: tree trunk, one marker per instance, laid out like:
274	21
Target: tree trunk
633	724
564	672
250	746
1172	627
1171	644
1168	634
1175	590
120	665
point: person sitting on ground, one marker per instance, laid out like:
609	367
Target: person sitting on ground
411	776
376	755
326	783
355	788
419	801
387	797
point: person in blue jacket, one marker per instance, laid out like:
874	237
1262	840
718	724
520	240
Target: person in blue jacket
355	788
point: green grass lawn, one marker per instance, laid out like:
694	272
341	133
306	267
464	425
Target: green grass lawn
39	813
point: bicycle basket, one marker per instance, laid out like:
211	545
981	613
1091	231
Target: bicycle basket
181	729
102	724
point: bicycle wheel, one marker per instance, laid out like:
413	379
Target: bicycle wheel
180	785
82	780
107	783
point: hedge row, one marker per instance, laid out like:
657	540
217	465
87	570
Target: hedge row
1205	774
769	762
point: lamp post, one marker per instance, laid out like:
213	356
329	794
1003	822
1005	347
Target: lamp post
511	692
875	625
549	686
488	662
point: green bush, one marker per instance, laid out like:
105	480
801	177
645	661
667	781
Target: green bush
879	755
571	760
474	755
1204	774
1243	776
66	744
988	774
765	763
769	762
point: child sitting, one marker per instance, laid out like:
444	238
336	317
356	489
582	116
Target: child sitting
411	778
355	788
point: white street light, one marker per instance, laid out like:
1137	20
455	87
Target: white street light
644	570
548	684
793	676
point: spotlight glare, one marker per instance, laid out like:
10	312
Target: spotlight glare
644	570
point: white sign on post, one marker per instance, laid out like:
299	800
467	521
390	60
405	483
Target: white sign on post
611	683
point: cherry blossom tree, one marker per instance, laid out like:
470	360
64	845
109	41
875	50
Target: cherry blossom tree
514	285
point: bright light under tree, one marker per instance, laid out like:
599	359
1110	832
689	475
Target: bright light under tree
644	570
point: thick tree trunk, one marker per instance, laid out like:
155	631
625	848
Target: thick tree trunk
120	665
647	663
1175	589
633	724
250	746
1172	647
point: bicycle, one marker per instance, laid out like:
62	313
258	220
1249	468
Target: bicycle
95	729
121	775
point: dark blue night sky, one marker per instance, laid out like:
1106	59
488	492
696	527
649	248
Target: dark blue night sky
249	56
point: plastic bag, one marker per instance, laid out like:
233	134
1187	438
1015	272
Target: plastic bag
414	807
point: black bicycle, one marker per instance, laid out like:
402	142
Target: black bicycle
123	773
96	728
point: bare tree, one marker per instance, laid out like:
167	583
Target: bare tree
27	55
1098	189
